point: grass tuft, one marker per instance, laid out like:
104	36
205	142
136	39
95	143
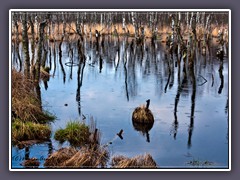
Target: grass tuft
24	131
76	133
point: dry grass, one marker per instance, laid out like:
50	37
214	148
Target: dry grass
59	157
72	158
71	30
140	161
142	115
28	119
25	103
79	135
95	157
88	158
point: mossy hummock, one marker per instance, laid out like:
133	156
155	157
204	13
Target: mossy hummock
76	133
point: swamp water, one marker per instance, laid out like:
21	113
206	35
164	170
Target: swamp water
190	109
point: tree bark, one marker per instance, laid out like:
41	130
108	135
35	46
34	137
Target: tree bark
39	51
25	46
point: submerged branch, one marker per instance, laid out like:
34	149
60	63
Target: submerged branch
205	80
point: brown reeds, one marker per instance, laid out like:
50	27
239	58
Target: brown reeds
86	157
59	157
85	150
25	103
140	161
142	115
71	30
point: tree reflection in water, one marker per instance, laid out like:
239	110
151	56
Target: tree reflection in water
133	65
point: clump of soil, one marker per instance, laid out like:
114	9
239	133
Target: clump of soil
140	161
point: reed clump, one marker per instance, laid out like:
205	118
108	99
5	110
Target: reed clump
85	150
76	133
26	105
29	121
86	157
142	115
57	158
140	161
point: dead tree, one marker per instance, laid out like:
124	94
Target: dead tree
31	22
15	19
135	24
39	51
193	25
25	45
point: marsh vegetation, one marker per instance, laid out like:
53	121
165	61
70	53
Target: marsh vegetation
77	78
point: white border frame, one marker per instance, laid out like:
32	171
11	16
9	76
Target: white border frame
122	10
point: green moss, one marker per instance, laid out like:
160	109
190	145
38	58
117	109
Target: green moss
76	133
24	131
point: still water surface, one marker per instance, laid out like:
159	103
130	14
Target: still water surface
189	125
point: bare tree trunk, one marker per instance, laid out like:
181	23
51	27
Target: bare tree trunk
25	46
44	59
17	45
135	25
193	25
37	26
33	40
39	52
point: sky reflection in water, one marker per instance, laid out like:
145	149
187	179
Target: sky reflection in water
111	95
